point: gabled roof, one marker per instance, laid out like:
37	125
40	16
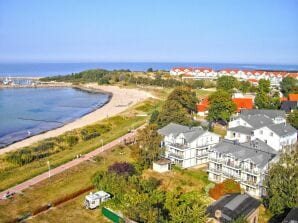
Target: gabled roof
270	113
257	151
173	128
189	133
282	129
203	105
292	216
243	103
293	97
256	121
193	134
233	206
241	129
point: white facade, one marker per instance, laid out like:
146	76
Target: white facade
206	73
161	166
244	170
188	154
274	140
275	132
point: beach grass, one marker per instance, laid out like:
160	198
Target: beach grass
11	175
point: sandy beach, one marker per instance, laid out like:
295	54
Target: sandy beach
121	99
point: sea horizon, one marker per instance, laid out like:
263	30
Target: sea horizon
42	69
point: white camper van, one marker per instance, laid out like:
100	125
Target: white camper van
93	200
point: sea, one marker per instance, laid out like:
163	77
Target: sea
52	69
25	112
28	111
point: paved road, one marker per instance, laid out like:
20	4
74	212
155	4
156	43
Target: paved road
20	187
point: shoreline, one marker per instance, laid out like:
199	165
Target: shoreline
119	100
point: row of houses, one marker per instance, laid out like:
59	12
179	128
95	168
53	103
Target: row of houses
254	141
252	76
288	104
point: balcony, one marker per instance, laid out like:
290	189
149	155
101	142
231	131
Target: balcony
215	170
217	160
178	146
250	171
249	183
175	155
200	155
231	175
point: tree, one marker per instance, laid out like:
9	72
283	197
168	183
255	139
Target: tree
172	111
289	85
147	149
293	119
150	70
227	83
264	101
264	86
154	117
244	86
281	183
185	207
185	96
221	106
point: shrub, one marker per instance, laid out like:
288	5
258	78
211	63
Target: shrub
71	140
227	186
122	168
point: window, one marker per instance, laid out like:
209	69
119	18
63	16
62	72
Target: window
261	132
271	133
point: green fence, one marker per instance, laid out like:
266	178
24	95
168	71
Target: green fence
111	215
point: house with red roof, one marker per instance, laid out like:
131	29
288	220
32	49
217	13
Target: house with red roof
243	103
202	107
293	97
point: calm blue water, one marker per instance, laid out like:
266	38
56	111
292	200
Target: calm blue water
50	69
48	107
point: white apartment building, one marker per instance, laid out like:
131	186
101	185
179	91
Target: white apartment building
275	77
247	163
187	146
268	126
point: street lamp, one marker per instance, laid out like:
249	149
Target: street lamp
48	162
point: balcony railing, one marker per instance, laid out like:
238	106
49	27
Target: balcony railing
216	170
175	155
202	154
232	164
249	183
232	175
178	146
250	171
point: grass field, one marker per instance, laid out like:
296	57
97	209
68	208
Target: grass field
11	175
61	185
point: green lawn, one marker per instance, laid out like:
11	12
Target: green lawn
11	175
61	185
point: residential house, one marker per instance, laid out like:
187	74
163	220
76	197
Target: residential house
230	207
292	216
187	146
202	107
243	103
293	97
247	163
267	125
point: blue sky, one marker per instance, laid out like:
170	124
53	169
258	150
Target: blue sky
230	31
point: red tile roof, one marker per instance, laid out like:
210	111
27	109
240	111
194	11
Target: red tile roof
203	105
246	103
293	97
